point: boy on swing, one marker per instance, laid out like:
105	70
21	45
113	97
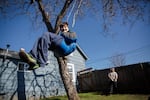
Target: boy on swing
62	45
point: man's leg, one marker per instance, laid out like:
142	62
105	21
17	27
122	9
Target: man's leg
115	87
111	87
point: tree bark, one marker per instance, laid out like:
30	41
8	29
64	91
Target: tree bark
69	87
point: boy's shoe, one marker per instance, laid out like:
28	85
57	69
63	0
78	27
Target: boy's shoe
33	66
28	59
48	62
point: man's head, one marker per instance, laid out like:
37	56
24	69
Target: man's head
64	27
112	69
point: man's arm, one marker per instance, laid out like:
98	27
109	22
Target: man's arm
116	78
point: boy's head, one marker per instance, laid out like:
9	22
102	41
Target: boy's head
64	27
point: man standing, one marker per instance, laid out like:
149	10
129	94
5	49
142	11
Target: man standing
113	76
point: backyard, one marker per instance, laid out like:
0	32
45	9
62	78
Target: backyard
98	96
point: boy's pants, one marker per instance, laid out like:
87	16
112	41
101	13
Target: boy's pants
50	41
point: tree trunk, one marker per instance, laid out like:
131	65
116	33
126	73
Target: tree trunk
68	84
69	87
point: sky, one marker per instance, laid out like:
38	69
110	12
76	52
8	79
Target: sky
133	42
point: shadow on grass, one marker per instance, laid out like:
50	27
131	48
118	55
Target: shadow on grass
149	98
105	93
51	99
56	98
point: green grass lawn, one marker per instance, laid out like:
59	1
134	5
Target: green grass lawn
97	96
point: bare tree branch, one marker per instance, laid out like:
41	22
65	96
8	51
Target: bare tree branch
45	16
62	14
118	60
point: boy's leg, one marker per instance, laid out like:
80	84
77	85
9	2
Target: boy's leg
67	49
28	59
40	49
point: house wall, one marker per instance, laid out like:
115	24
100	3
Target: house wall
28	85
78	61
132	79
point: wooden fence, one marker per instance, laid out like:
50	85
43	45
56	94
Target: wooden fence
132	79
